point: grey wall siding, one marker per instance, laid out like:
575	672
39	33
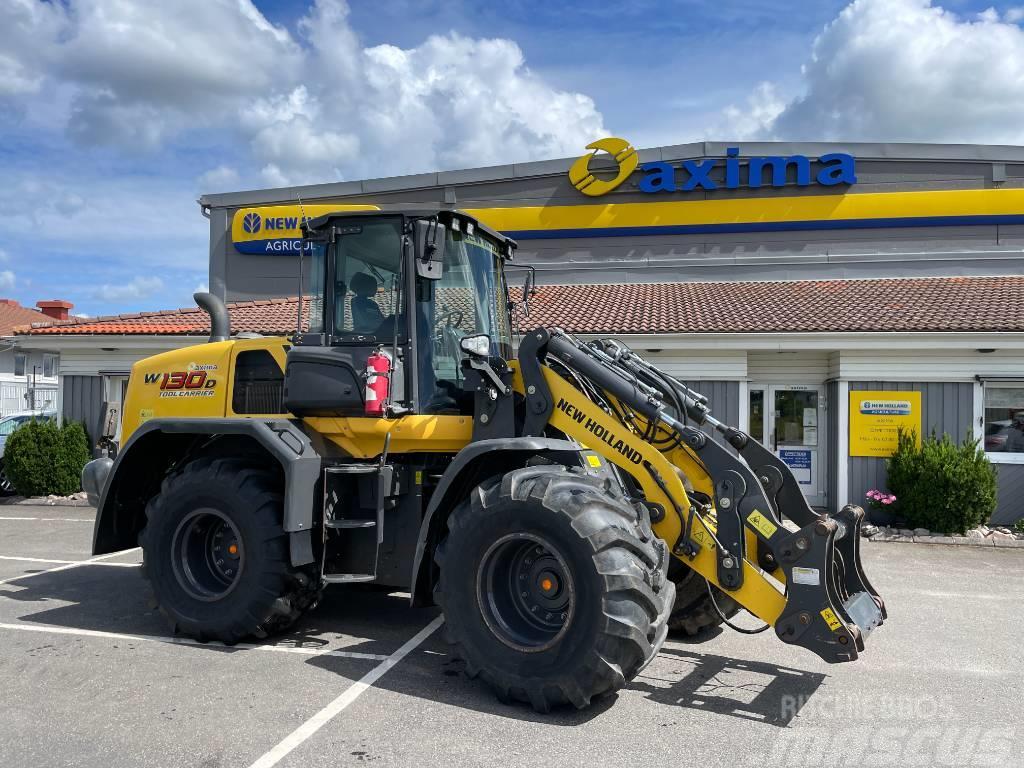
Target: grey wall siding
82	400
831	436
724	400
946	407
1010	502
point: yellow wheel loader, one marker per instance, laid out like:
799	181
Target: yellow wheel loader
549	502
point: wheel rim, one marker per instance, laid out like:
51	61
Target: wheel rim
5	482
207	554
525	592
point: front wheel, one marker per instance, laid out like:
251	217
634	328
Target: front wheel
553	587
216	554
694	614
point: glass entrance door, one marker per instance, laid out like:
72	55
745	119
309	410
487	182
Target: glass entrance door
788	419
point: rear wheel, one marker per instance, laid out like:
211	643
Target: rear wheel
553	587
216	554
694	614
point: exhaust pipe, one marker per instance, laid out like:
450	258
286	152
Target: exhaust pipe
220	322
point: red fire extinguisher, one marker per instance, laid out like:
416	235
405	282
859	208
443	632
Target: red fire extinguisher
378	369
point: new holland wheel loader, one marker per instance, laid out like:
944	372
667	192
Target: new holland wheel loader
549	502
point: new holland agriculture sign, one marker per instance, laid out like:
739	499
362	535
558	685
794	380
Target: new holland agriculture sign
274	229
833	169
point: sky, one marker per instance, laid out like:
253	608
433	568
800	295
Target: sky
115	115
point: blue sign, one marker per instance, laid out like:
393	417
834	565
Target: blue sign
799	462
773	171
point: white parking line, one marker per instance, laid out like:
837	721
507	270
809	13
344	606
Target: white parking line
27	627
66	566
57	519
325	715
66	562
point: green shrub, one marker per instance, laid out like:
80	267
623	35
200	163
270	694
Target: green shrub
942	486
41	458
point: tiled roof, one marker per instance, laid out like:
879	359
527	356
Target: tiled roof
800	306
13	315
267	316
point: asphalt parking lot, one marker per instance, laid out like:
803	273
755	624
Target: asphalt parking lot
90	677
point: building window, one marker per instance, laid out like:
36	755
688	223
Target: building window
1004	417
20	363
51	365
757	414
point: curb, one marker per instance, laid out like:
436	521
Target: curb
43	501
994	539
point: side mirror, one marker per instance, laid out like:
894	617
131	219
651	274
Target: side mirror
476	346
429	240
529	289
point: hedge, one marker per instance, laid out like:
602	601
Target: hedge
41	458
940	485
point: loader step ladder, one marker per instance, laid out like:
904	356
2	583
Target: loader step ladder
344	486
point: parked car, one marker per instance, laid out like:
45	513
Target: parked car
996	433
7	425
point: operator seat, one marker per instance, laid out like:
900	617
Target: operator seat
366	314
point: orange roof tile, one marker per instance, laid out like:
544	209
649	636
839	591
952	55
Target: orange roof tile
13	315
940	304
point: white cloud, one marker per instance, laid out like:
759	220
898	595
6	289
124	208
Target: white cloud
219	179
28	33
314	107
1014	15
143	71
763	106
138	288
7	280
450	102
907	70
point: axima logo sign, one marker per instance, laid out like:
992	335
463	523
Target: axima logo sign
833	169
588	183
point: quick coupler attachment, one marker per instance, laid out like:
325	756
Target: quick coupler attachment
830	606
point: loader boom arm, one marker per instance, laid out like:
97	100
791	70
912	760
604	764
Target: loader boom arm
808	584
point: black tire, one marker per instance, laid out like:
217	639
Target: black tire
614	571
261	593
6	486
694	613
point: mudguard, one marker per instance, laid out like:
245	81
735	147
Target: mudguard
117	519
464	473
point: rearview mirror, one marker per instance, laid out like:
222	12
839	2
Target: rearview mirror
477	346
529	289
430	237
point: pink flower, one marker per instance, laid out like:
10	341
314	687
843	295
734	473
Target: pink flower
887	500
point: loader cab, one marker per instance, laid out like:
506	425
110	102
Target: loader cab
412	284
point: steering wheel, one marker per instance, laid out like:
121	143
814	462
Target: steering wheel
451	318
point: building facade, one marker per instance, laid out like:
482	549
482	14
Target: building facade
820	294
28	378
